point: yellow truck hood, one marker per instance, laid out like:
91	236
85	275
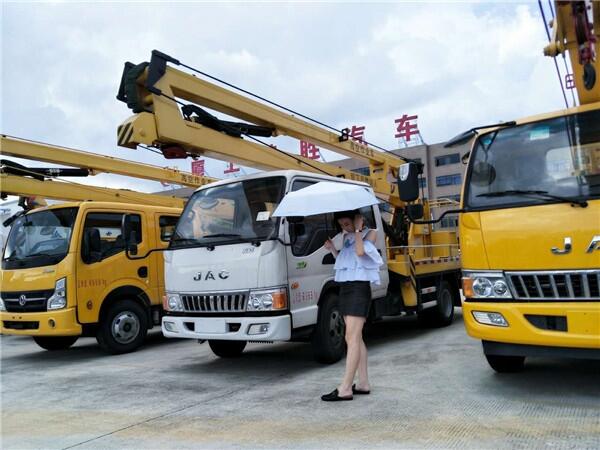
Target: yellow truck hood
523	238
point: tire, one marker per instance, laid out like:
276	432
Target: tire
506	364
227	349
442	314
123	328
328	341
53	343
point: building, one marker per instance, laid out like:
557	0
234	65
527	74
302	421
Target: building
443	172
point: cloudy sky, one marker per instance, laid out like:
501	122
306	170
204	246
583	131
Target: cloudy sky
456	65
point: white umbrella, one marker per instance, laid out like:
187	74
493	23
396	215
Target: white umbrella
324	197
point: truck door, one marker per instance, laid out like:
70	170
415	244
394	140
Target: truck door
309	267
111	268
164	231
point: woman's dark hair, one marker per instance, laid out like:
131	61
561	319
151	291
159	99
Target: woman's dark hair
343	215
350	214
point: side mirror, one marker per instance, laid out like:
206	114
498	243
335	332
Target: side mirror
128	234
465	158
415	211
408	181
91	248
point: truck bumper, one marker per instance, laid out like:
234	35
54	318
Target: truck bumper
278	328
52	323
579	323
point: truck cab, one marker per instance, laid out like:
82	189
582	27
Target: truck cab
530	238
65	274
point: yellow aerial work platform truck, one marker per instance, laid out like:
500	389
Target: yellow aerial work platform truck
64	270
530	218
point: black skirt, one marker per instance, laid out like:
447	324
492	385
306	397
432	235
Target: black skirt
355	298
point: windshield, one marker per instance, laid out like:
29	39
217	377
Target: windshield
39	238
532	163
234	212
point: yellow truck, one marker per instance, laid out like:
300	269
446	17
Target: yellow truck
64	270
530	238
65	274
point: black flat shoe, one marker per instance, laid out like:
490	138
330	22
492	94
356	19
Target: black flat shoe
334	397
359	391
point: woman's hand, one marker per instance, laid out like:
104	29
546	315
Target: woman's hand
329	245
359	222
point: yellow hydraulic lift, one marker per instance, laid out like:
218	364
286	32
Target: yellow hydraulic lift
23	184
574	33
170	117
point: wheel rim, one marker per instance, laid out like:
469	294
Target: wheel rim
446	303
336	328
125	327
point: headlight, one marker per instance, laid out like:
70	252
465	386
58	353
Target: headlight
58	300
172	302
2	307
267	300
485	285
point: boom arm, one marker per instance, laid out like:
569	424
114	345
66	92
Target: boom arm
59	190
572	31
161	123
22	148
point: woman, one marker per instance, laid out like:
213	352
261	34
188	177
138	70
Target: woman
356	267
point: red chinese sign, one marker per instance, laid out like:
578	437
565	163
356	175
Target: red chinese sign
405	129
198	167
358	134
309	150
231	169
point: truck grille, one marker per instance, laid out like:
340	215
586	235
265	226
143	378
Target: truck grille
214	303
33	301
560	285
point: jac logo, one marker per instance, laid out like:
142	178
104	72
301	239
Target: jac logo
209	275
568	246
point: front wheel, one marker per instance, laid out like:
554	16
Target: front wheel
55	342
506	364
227	349
123	327
328	341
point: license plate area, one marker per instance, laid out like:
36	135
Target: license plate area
584	322
211	326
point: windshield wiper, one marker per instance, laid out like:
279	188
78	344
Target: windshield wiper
543	194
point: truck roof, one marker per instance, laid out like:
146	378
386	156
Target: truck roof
283	173
109	205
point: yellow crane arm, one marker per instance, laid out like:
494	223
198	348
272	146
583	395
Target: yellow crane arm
160	90
574	32
69	191
22	148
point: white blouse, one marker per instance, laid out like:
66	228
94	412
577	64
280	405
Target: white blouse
351	267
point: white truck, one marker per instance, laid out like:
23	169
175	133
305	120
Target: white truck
234	274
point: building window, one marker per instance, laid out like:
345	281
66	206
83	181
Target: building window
422	182
448	180
444	160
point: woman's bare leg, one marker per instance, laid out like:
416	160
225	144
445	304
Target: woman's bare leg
363	375
354	327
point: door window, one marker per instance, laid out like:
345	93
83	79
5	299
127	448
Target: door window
109	229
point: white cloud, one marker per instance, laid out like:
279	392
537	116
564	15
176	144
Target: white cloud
455	65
